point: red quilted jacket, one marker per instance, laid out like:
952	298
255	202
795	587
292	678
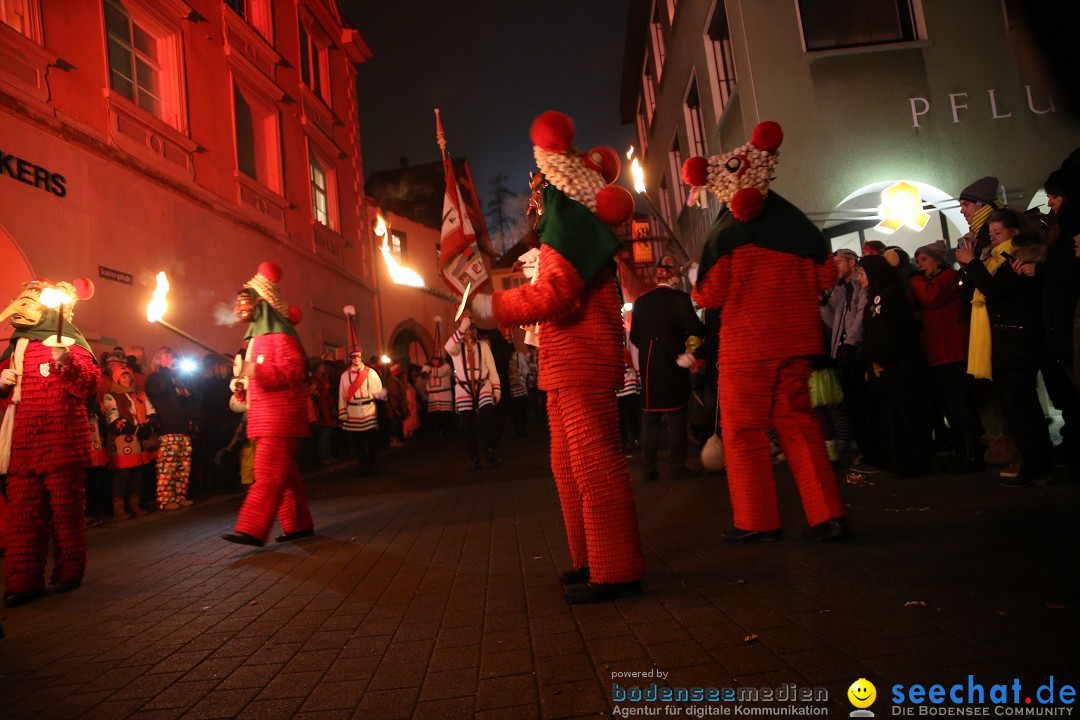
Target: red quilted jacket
581	332
277	396
769	303
51	429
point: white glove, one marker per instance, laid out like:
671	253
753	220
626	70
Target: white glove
381	395
8	377
247	368
686	360
61	356
466	321
481	306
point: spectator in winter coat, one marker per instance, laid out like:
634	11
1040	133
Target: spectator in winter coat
894	366
1013	311
946	318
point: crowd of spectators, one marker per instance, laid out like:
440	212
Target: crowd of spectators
168	430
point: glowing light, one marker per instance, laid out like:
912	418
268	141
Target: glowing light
639	176
158	305
187	365
901	205
630	152
627	307
53	298
385	359
398	273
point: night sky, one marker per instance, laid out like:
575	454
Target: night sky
491	66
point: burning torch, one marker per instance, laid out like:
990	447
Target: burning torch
155	312
55	299
401	275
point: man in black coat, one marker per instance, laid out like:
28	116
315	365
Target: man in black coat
662	321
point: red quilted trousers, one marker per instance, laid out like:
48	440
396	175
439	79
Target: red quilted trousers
44	508
593	484
754	397
278	490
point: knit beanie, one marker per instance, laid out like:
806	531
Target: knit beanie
983	190
935	250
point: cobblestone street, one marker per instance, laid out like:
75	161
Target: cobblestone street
432	592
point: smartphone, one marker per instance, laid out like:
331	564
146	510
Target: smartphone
1007	256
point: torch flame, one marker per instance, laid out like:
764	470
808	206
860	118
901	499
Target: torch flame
380	225
630	152
157	307
639	176
53	298
399	274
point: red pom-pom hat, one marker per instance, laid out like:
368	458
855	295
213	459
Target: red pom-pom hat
580	176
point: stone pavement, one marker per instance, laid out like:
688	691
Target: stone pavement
432	592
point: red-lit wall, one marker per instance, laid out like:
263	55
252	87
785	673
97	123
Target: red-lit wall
141	194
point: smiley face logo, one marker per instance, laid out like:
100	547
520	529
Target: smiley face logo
862	694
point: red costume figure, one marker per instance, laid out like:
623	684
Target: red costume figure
764	264
575	300
48	372
272	375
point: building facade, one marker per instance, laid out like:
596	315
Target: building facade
197	137
870	93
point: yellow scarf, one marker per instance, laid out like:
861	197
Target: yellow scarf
979	363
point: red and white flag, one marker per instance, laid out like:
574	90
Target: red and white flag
460	261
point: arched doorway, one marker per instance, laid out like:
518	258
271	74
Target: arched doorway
411	342
14	271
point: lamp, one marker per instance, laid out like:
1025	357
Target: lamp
901	205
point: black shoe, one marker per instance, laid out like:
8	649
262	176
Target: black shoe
574	577
602	592
15	599
67	586
289	537
834	529
493	461
735	535
242	539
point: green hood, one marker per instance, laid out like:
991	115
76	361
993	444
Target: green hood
576	233
267	320
781	226
46	327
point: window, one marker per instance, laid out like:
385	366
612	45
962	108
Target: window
720	60
648	89
397	244
656	31
323	192
671	5
834	24
695	126
676	159
134	65
314	71
257	138
23	16
255	13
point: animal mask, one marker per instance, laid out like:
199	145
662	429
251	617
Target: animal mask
740	178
